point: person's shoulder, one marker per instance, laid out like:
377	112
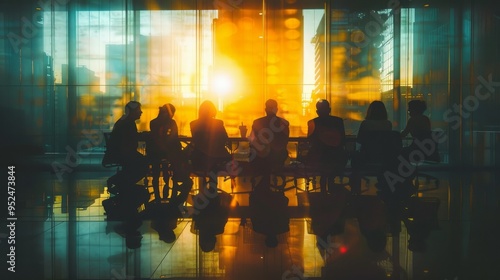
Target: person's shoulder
170	122
123	124
333	117
286	122
193	124
329	120
362	126
336	118
119	122
153	121
388	123
259	121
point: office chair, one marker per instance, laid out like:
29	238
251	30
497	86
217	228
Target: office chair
109	162
431	156
379	151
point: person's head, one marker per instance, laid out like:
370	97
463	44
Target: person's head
416	107
167	110
271	107
323	107
133	110
376	111
207	110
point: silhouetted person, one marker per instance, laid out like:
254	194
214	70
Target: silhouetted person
268	141
163	148
375	120
326	136
211	218
269	213
122	146
419	127
209	142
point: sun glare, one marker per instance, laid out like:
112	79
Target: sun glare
223	84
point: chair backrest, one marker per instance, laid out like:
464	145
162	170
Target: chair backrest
107	159
428	145
107	136
381	147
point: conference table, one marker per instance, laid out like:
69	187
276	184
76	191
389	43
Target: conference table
239	148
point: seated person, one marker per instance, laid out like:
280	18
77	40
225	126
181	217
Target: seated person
268	141
163	145
209	141
419	127
375	120
326	135
123	142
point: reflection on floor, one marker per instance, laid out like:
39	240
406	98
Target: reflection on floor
62	232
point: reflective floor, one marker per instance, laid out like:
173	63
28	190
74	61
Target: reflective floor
62	232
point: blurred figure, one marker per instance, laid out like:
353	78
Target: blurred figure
209	142
269	213
163	148
211	219
123	142
268	141
328	214
326	135
164	218
373	219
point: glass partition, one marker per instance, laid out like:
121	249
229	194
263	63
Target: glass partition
69	67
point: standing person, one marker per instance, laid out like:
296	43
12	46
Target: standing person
123	144
268	141
326	135
209	142
163	148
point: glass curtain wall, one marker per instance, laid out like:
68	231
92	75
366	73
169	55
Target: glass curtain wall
69	67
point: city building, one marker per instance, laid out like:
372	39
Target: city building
68	68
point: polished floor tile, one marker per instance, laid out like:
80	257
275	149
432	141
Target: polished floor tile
62	232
